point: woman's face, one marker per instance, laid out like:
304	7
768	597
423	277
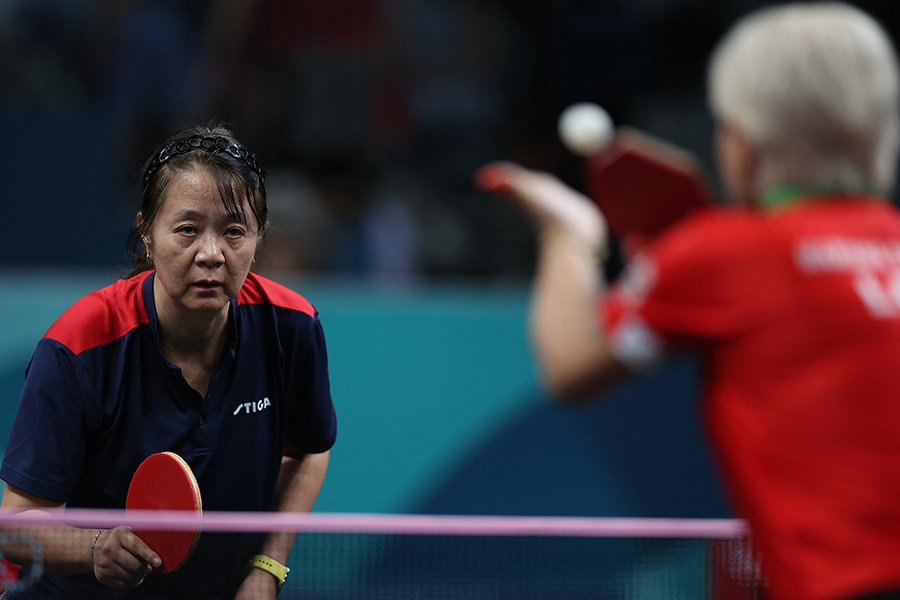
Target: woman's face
201	254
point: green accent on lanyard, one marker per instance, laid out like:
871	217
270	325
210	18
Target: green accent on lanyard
784	196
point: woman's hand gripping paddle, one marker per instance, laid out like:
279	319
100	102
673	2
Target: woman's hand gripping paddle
164	481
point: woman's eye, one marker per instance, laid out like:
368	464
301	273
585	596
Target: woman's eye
235	232
187	229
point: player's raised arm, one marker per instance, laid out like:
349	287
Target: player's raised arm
573	356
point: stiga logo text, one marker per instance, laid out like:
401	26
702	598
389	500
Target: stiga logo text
252	407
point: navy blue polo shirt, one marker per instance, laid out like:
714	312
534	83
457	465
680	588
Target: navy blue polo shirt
99	397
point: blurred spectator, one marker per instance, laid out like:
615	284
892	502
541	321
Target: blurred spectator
46	56
296	241
155	81
392	229
297	74
342	220
374	231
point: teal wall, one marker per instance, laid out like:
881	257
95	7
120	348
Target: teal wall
439	409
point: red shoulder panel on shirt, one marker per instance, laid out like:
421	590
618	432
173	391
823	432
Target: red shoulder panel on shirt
259	290
102	316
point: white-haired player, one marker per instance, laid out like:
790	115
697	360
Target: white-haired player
791	298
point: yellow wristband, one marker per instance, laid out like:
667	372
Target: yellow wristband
278	570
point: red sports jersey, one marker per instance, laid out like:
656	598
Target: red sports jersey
796	315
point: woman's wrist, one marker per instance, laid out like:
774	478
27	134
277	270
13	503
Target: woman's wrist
93	547
273	568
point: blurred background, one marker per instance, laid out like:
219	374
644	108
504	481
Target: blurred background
370	117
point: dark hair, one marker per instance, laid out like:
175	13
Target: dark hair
237	175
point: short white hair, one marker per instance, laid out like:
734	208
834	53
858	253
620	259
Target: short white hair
815	88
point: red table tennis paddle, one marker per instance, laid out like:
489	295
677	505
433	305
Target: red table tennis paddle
165	482
643	184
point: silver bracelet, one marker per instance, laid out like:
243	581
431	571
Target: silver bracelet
94	543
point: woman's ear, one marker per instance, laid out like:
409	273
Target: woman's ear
145	238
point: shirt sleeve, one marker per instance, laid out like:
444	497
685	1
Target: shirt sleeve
46	448
695	286
312	424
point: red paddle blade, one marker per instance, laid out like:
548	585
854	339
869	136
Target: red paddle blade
643	184
165	482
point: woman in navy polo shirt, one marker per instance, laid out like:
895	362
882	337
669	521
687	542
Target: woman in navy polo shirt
192	354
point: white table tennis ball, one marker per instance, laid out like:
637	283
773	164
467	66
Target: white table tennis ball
585	128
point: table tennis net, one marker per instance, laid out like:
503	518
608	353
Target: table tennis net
399	557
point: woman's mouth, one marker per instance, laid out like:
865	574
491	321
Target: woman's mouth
207	286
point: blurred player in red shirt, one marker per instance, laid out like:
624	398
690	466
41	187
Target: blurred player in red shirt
791	297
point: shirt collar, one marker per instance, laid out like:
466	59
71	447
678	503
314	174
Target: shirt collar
153	318
150	302
788	196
